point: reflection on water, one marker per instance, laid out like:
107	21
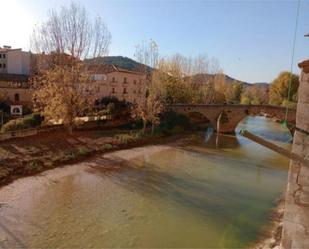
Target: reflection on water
196	195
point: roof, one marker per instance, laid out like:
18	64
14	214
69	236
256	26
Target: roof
13	77
107	68
9	49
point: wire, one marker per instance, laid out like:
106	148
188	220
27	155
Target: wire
292	62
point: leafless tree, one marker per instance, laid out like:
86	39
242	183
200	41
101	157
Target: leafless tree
70	30
147	53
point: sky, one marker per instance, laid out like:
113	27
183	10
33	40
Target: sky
252	40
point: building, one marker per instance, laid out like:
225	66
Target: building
114	81
14	76
14	61
14	89
108	80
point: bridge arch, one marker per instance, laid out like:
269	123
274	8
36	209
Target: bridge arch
234	114
200	119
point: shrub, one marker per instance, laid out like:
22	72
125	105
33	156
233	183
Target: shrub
26	122
5	107
125	138
106	147
34	165
84	151
68	156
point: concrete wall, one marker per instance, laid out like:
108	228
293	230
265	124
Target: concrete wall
18	62
296	218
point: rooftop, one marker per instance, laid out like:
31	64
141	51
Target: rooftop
106	68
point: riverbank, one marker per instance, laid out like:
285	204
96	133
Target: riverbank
126	197
31	155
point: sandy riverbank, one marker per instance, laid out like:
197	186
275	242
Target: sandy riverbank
31	155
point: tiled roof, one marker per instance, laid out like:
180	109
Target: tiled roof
106	68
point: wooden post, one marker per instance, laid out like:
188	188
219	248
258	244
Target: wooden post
218	130
274	147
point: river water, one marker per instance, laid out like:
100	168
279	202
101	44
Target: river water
188	195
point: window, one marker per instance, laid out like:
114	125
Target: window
125	80
113	79
3	56
0	56
0	65
134	82
16	97
125	90
4	65
113	90
134	91
97	77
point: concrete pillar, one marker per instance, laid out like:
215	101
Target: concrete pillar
296	217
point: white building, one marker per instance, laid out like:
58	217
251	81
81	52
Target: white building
14	61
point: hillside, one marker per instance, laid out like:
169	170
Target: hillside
121	61
130	64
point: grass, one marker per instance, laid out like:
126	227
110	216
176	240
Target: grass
127	137
84	151
106	147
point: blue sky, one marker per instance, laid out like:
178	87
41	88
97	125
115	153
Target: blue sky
251	39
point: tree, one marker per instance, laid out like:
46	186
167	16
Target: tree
279	88
148	109
63	94
62	85
150	104
254	95
148	55
71	31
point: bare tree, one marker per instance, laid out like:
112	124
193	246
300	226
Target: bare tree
70	30
147	53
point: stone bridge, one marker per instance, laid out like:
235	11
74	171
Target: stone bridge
233	114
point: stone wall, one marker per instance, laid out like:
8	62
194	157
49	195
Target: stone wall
296	217
235	113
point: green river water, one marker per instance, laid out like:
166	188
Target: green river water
193	195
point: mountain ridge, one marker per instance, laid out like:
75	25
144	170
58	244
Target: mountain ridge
130	64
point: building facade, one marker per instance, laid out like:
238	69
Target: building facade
14	76
14	89
14	61
107	80
112	81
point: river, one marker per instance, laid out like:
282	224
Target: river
192	194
